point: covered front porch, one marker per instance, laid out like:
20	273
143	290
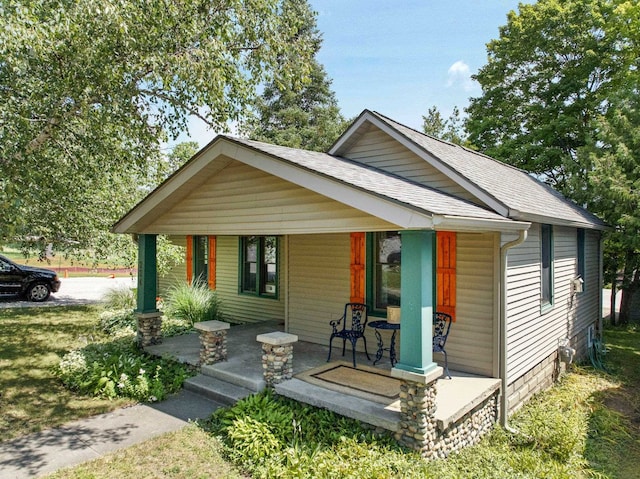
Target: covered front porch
465	405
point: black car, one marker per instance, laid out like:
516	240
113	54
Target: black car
36	284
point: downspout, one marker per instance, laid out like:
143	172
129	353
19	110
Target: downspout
504	249
600	286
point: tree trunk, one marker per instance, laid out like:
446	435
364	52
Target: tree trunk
627	298
613	317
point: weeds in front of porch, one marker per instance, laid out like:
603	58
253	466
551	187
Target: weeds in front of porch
119	304
119	369
33	340
192	303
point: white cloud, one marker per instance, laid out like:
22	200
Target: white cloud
459	74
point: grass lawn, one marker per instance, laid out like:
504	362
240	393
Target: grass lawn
189	453
32	341
586	426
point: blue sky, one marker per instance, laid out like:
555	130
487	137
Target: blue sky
400	57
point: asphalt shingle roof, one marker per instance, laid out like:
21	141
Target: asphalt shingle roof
510	186
375	181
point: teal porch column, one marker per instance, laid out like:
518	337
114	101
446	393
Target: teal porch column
418	301
149	318
147	274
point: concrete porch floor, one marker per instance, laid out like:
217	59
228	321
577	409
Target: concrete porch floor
456	396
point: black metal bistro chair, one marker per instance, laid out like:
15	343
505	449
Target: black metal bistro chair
441	326
350	326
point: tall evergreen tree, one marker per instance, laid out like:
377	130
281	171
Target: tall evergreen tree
451	129
306	116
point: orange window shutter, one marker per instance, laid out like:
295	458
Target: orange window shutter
358	254
189	259
212	262
446	273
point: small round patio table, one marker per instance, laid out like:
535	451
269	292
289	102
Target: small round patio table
385	325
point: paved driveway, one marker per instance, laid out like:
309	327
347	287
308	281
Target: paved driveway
75	291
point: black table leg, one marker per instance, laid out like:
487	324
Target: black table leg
380	350
392	349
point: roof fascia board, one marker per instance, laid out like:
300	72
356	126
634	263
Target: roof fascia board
459	223
520	216
443	168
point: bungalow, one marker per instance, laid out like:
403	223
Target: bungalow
388	216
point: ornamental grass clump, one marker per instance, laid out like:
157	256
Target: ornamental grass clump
118	316
121	297
192	303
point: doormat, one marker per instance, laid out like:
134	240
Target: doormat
364	382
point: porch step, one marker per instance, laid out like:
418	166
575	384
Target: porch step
216	389
246	376
363	410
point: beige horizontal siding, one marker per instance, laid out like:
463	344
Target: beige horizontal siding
178	273
472	340
243	200
238	307
319	283
533	332
378	149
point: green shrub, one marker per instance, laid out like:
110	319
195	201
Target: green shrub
192	303
175	327
112	321
119	369
272	436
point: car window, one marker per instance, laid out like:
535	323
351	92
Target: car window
4	266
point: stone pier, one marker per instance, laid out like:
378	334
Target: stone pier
213	341
277	356
149	328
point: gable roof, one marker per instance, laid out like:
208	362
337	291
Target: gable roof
507	198
509	191
396	200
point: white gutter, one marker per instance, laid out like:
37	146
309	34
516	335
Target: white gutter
504	249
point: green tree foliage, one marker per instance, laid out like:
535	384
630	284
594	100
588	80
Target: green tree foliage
560	100
180	154
304	116
451	129
548	75
89	89
613	189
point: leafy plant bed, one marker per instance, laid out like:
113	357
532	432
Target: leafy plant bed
119	369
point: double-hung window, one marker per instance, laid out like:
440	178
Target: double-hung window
546	259
386	270
259	265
